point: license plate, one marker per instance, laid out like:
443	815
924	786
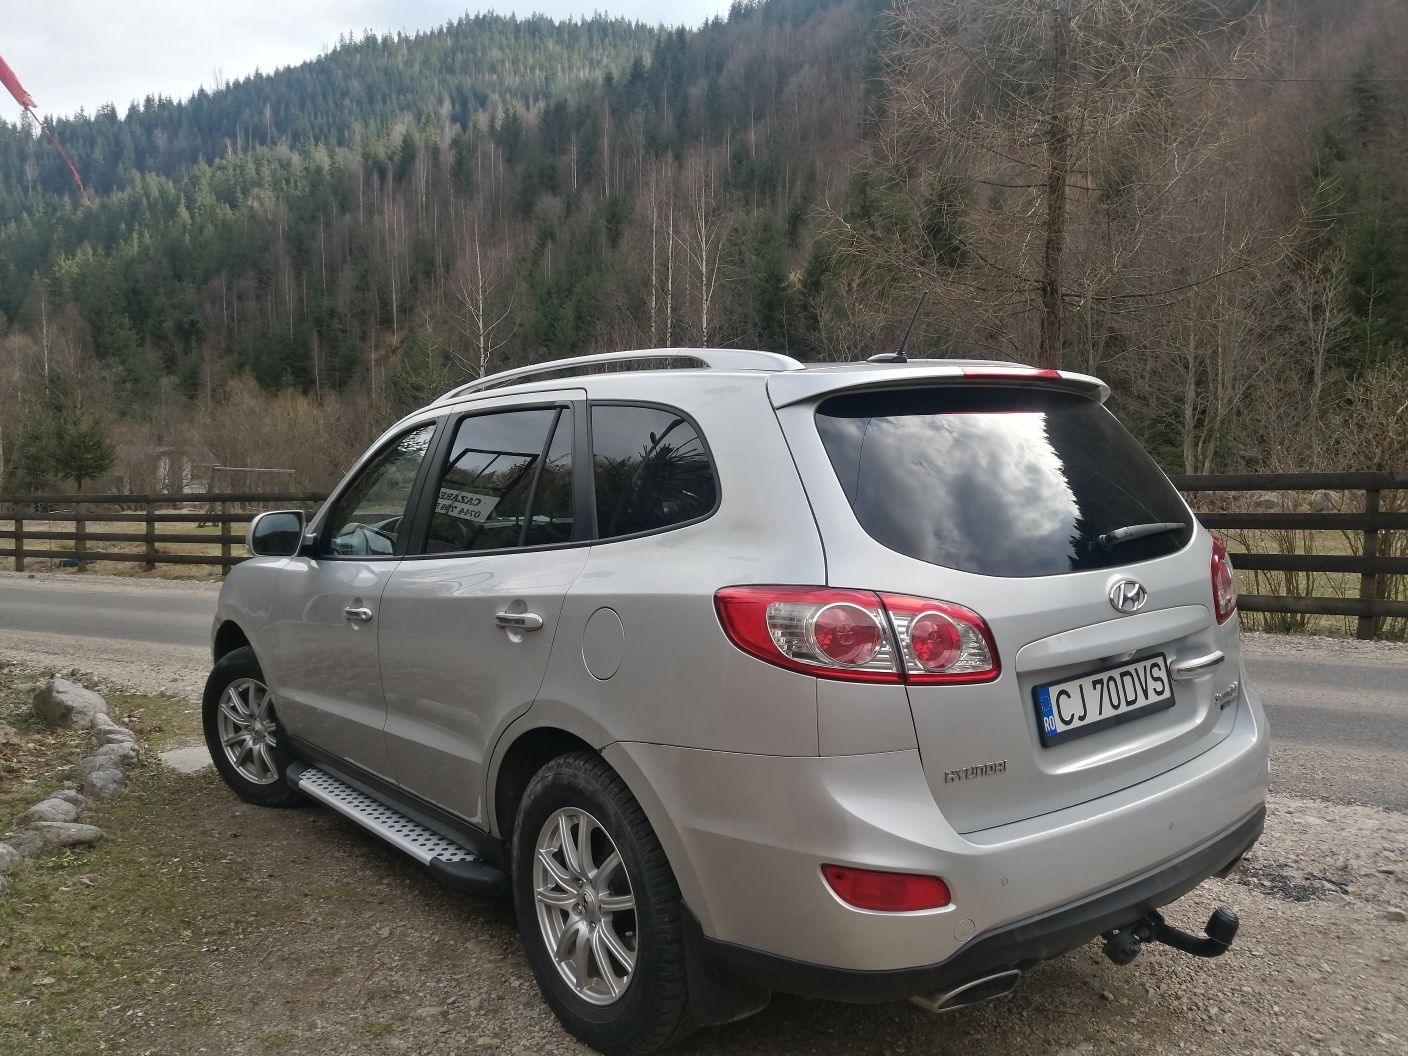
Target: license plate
1102	699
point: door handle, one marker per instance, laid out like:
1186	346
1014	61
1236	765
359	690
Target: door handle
519	621
357	614
1199	665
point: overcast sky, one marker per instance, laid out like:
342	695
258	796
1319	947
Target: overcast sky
80	53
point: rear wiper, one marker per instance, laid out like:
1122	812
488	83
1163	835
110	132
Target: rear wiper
1110	540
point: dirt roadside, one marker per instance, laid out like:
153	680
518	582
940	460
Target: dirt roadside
205	926
202	925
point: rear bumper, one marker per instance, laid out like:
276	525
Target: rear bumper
747	834
1017	945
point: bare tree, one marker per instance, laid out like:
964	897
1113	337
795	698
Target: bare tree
482	294
701	238
1315	300
1039	161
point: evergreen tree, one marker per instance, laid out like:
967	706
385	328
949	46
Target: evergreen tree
81	450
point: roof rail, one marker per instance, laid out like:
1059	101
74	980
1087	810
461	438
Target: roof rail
712	358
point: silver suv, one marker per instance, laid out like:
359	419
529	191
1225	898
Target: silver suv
866	682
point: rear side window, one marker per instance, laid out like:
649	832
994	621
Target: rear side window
650	470
998	481
506	483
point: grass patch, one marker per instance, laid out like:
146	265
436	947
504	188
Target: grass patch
161	721
97	942
203	924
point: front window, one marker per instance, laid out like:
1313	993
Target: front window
369	516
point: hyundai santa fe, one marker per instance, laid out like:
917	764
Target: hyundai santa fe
864	682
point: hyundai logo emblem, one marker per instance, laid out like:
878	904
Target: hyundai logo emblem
1128	595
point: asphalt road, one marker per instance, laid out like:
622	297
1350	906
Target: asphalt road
134	615
1339	728
1339	717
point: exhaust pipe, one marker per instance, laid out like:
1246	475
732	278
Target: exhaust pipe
973	992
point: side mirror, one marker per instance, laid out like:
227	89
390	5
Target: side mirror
278	533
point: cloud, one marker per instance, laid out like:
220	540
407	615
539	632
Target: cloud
80	54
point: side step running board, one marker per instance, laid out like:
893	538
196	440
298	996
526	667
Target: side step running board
447	860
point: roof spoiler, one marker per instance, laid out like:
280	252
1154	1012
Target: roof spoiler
788	388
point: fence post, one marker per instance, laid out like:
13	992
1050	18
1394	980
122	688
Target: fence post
150	566
19	540
1369	581
225	539
80	544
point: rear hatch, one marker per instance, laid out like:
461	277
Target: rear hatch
995	493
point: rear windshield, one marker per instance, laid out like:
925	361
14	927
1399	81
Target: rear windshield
998	481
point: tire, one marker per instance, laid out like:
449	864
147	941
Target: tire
257	775
651	1010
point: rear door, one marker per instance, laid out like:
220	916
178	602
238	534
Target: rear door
1001	497
468	620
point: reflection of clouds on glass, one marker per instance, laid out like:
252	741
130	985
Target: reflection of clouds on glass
416	443
996	482
972	480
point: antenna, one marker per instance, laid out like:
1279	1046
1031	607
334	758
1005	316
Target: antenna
898	356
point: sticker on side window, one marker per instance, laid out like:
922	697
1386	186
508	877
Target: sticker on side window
474	506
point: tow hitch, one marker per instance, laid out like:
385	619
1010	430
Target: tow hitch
1123	944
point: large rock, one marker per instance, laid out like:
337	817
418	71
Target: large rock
10	859
26	843
66	705
51	810
122	752
106	783
116	735
67	833
106	728
70	795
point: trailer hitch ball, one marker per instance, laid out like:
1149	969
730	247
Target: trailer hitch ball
1124	944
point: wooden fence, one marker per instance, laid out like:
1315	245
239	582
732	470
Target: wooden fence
1374	564
1379	563
31	519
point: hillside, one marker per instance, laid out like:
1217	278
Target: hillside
358	90
272	271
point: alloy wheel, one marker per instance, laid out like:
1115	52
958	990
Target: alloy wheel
248	730
586	907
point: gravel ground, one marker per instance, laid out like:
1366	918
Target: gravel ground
333	944
90	581
1323	647
108	662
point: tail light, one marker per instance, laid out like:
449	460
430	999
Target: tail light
941	642
1224	583
858	636
886	892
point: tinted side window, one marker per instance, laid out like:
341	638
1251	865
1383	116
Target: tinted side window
483	498
650	468
369	516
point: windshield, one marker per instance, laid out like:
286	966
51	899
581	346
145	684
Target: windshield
998	481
